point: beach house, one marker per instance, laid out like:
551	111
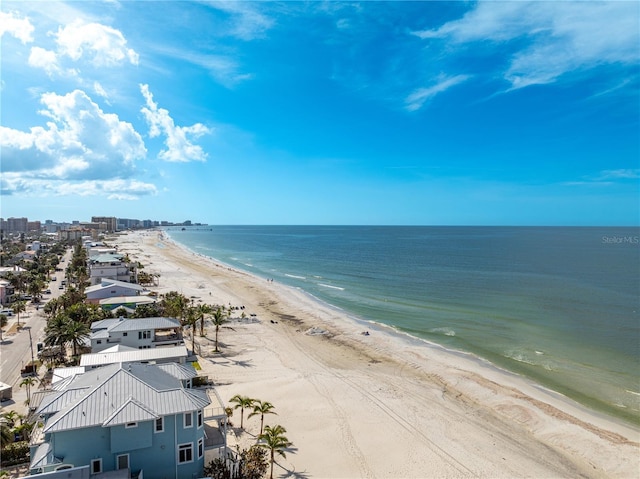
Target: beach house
138	333
128	419
111	288
110	266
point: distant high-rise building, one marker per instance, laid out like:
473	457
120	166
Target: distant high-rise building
16	225
34	226
111	221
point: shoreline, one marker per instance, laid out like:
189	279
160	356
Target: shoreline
420	402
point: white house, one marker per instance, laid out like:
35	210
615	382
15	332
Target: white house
110	266
129	303
110	288
138	333
125	354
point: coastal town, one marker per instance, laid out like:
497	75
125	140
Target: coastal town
108	385
125	354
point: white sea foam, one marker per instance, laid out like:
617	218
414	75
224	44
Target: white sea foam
445	331
294	276
330	286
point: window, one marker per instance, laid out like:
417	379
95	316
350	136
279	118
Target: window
144	334
130	425
96	466
159	427
122	461
200	418
188	419
99	341
200	447
185	453
124	334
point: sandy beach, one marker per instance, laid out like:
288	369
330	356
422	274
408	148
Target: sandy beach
381	405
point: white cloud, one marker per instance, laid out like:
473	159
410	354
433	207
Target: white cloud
79	142
418	97
100	91
105	45
224	69
20	28
45	59
620	174
100	45
179	147
558	37
248	23
11	184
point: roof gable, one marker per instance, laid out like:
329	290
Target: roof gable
110	400
130	411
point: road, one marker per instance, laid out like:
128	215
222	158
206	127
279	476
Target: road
16	349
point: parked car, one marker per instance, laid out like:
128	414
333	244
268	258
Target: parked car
61	286
47	291
54	278
7	312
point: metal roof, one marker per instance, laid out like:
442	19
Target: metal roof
121	393
140	299
134	324
130	411
110	283
102	358
107	258
180	371
139	324
62	373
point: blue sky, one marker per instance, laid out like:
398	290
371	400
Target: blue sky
491	113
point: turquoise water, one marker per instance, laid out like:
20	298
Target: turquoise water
559	305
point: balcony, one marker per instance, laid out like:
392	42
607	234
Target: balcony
168	337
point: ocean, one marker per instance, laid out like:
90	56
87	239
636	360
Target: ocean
559	305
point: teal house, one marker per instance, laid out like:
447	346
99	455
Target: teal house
131	420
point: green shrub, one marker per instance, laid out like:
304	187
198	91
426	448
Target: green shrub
15	453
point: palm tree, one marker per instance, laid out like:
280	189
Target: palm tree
175	304
27	383
241	402
75	332
203	310
35	287
218	320
191	320
11	417
19	307
274	441
62	331
262	408
6	435
24	430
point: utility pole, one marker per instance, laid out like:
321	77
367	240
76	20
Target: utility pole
31	345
